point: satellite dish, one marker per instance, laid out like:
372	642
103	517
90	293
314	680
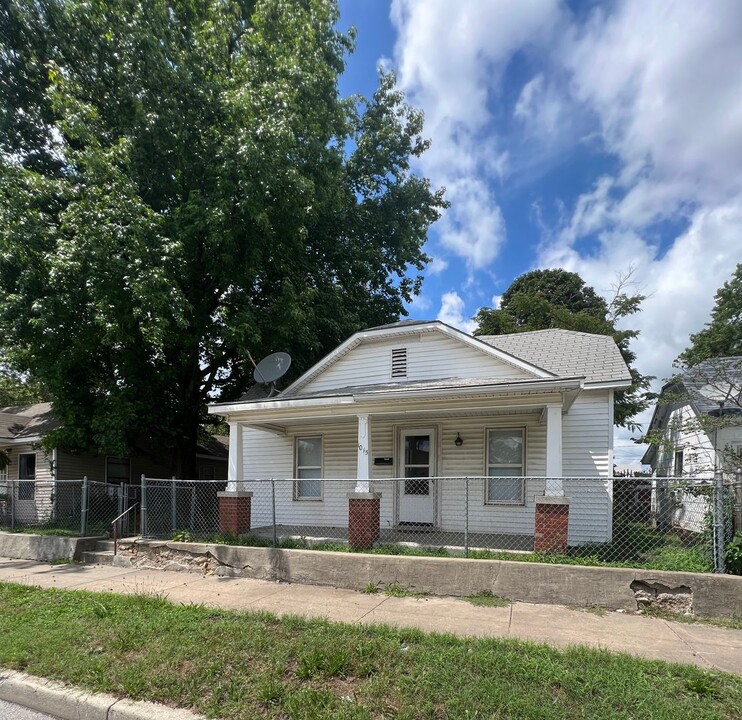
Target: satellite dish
271	368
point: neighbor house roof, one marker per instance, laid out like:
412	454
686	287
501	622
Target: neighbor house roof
20	422
566	353
703	387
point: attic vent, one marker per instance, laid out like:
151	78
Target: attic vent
399	362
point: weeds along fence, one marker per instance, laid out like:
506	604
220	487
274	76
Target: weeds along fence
661	523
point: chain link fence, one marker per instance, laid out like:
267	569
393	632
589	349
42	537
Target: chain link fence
67	507
661	523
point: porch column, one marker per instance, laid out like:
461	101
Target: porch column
554	450
364	507
236	468
551	533
363	469
235	505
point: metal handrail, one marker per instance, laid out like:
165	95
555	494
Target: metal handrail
114	526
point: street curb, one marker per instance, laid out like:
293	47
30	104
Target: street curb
68	703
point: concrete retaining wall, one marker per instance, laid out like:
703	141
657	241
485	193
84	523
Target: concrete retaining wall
714	595
44	548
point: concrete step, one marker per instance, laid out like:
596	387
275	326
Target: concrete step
98	557
102	545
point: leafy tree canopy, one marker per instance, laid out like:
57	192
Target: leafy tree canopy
180	182
543	299
723	335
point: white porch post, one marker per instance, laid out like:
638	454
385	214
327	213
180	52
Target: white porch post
236	468
363	470
554	450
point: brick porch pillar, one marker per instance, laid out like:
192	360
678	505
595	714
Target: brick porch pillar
364	520
235	509
552	524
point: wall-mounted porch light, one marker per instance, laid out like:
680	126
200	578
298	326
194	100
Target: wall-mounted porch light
459	441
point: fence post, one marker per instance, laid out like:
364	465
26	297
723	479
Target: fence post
84	507
143	508
122	507
466	520
173	506
738	501
273	502
12	505
718	516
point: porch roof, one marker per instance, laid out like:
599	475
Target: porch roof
448	389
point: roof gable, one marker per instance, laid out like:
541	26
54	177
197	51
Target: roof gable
435	351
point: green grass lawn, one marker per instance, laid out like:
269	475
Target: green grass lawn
247	665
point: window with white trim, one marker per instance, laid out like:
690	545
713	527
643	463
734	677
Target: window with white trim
308	462
505	466
27	472
118	469
3	480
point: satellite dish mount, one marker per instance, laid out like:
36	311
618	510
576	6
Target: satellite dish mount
270	369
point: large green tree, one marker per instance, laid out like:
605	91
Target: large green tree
181	183
723	335
556	298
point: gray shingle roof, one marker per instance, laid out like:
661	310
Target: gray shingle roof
27	421
565	353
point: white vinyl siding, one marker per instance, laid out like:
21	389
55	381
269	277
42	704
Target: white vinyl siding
432	356
36	507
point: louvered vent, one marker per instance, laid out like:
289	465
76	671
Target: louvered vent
399	362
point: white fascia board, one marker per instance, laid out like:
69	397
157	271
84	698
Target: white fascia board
608	385
301	403
30	440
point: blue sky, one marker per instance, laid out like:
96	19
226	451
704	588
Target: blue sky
602	137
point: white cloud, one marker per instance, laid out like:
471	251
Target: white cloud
496	302
452	312
450	64
436	265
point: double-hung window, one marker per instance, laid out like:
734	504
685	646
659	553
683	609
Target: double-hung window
308	454
27	473
505	466
678	465
118	470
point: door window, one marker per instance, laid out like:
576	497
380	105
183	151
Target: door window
417	464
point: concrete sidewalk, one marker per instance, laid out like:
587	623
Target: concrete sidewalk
703	645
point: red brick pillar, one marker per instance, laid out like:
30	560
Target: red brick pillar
552	524
235	509
364	520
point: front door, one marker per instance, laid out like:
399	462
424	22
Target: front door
417	462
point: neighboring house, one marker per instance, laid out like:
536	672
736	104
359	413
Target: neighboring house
699	419
420	400
34	472
697	426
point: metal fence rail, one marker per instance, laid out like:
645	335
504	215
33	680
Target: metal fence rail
661	523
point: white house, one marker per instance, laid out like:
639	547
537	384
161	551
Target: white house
699	419
523	416
697	428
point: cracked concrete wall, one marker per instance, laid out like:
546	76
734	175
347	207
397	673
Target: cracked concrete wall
613	588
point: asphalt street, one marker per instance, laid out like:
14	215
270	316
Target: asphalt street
10	711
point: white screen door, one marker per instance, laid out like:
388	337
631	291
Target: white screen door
417	461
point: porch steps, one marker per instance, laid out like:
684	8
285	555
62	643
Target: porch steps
101	555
